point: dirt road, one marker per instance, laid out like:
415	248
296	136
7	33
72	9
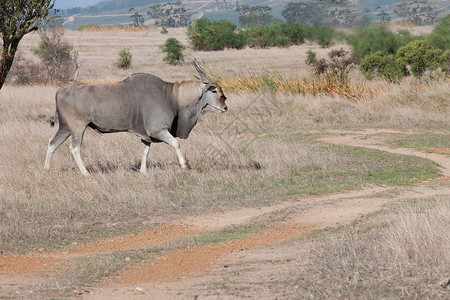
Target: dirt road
193	271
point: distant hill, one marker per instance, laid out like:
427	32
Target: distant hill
116	12
64	4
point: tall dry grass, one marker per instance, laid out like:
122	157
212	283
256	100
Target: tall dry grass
406	256
330	84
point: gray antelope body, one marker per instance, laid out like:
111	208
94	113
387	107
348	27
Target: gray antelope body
143	104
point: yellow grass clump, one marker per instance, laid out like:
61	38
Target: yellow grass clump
330	83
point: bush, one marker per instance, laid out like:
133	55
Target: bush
374	38
264	36
296	32
440	37
310	57
281	41
382	65
174	49
217	35
209	35
420	56
56	65
416	57
124	60
322	35
56	57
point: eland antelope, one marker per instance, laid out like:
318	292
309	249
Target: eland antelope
143	104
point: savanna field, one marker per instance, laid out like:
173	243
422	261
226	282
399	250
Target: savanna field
305	188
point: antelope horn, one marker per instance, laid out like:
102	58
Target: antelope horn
205	78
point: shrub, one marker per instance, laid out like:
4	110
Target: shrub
56	56
310	57
420	56
264	36
208	35
440	37
124	60
281	41
174	49
322	35
258	37
374	38
164	30
382	65
339	65
416	57
295	32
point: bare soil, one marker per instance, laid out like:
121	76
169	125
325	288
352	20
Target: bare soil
273	254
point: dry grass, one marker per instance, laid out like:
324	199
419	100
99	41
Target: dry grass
234	156
404	256
106	28
99	50
413	29
313	85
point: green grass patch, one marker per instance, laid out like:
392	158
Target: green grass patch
422	141
357	166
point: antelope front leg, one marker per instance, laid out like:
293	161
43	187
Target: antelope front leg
167	138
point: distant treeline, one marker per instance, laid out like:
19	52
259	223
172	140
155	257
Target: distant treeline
316	12
209	35
108	6
380	51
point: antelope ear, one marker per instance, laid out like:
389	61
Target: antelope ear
205	78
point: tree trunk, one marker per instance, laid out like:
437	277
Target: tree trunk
9	51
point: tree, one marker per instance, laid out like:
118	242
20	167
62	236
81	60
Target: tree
320	12
383	16
254	15
171	14
340	16
17	18
137	19
417	12
310	13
